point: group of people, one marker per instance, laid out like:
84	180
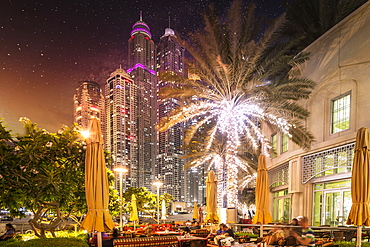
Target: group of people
223	236
299	234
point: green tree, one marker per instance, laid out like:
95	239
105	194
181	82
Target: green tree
43	172
243	82
146	201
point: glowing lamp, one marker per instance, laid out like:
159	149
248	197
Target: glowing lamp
85	133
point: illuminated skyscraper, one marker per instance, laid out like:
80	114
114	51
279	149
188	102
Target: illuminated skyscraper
121	126
88	102
169	165
141	60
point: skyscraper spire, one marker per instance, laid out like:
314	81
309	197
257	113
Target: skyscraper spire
141	15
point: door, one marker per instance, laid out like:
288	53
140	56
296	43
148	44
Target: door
336	207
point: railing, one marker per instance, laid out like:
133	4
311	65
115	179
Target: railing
265	228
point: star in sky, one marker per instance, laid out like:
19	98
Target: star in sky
47	47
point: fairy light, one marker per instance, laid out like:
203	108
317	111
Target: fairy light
235	117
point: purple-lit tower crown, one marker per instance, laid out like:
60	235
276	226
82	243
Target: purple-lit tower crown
141	27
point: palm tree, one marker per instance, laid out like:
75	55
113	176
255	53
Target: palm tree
215	157
312	18
243	82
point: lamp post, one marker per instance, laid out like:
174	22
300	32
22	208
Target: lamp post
120	170
158	184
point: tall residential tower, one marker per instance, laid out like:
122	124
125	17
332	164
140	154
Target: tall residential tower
88	102
121	123
141	60
169	165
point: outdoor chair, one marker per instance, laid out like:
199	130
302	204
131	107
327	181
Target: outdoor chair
349	235
338	235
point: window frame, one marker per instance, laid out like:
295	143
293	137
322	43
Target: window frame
274	150
282	143
332	112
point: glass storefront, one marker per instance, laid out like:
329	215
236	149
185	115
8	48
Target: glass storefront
332	203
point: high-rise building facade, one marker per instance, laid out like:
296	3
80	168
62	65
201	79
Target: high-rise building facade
169	166
120	137
88	102
141	60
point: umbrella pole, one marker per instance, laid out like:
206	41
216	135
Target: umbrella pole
261	231
359	236
99	239
134	225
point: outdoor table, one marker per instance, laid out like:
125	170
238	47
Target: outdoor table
183	239
163	233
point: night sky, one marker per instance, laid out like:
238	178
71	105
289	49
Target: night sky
48	46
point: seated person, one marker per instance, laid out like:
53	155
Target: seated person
10	232
227	236
296	229
195	226
275	235
294	222
218	232
308	237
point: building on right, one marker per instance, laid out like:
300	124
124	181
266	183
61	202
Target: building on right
317	182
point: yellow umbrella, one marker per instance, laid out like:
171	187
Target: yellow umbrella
262	215
360	184
211	198
96	183
195	211
133	215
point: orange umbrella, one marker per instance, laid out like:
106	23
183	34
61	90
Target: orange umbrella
211	198
262	215
195	211
133	215
360	184
96	183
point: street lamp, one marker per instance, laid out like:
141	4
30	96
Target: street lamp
120	170
158	184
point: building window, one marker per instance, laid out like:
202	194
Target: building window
328	162
284	143
341	107
274	145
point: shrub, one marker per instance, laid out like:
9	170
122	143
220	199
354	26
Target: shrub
350	244
247	234
46	242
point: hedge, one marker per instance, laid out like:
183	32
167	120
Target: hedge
46	242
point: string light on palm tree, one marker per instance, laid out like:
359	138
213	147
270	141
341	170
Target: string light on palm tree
243	83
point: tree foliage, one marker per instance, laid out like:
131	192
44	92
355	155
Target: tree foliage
238	69
39	167
146	201
312	18
241	79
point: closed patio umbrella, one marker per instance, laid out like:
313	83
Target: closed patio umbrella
211	198
262	215
360	184
96	183
195	211
133	215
